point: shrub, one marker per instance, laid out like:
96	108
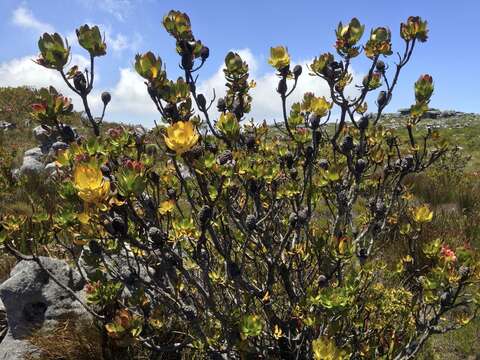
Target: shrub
229	239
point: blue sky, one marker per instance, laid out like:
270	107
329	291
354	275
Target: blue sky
250	27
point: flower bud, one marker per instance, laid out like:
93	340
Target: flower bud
202	102
363	122
250	141
204	53
171	193
347	144
297	71
119	226
308	153
79	82
157	236
323	163
362	255
105	170
288	157
251	222
225	157
380	66
95	248
205	214
322	281
106	97
382	98
360	166
221	105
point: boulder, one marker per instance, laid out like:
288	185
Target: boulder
33	301
404	111
59	145
50	168
5	125
31	167
35	153
41	135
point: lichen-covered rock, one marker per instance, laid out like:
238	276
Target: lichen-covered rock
50	168
31	167
59	145
32	300
35	153
41	135
5	125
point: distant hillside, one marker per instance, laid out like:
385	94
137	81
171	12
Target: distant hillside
462	129
16	124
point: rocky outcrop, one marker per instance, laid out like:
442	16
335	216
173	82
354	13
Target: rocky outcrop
5	126
37	162
33	301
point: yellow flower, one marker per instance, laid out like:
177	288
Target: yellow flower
166	207
422	214
279	57
325	349
89	181
181	137
277	333
320	106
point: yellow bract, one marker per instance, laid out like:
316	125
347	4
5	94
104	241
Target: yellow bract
166	207
422	214
88	180
325	349
279	57
181	137
320	106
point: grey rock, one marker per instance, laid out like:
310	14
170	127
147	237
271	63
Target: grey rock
59	145
50	168
432	114
5	125
34	301
31	167
35	153
13	349
16	173
404	111
41	135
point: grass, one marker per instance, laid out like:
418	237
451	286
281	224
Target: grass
456	345
67	341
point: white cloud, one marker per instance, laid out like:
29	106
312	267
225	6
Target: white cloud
131	103
266	102
23	17
25	72
130	100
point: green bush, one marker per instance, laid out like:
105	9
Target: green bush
225	239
